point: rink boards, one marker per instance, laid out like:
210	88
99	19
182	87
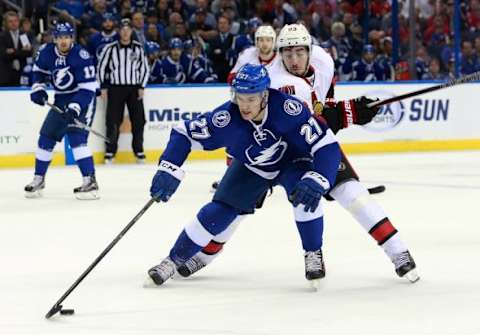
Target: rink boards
443	120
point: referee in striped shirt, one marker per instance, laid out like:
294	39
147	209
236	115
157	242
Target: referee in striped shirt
123	73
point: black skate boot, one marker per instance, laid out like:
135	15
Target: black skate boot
405	266
140	158
88	190
314	267
35	188
191	266
161	273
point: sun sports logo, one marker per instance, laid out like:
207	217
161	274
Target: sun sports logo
410	110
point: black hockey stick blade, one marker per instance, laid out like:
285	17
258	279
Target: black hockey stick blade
462	80
78	123
54	310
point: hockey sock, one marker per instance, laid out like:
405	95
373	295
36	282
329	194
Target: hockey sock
211	220
81	153
311	233
43	155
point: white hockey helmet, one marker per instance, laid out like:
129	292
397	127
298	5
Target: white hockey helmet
293	35
265	31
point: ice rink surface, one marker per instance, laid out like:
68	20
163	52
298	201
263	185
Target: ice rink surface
257	285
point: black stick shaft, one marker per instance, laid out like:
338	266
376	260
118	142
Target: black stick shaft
79	124
462	80
56	308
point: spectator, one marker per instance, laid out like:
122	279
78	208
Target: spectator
138	24
126	9
366	69
201	27
75	8
421	62
98	40
163	12
434	71
470	61
219	47
202	8
384	59
15	49
95	17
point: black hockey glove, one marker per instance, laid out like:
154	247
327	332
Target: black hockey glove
355	111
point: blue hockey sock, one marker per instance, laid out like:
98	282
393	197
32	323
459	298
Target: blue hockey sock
43	155
311	233
81	153
211	220
184	249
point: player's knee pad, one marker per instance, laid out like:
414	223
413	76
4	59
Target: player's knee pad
302	216
354	197
78	142
45	148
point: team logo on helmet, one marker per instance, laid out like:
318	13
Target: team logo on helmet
292	107
221	119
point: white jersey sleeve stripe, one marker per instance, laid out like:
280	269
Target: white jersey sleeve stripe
329	138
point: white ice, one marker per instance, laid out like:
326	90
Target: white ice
257	285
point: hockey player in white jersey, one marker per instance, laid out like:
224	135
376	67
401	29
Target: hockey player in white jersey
262	53
306	72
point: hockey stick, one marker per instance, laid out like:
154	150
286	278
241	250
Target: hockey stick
58	307
78	123
465	79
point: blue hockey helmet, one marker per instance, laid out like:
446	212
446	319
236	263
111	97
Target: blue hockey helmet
254	23
188	44
109	17
251	79
151	47
63	29
175	43
368	49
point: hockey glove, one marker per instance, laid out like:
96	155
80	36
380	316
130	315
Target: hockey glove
72	113
39	96
309	190
166	181
355	111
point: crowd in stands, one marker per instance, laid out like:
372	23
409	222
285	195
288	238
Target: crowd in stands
197	41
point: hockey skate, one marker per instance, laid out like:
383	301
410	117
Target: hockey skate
140	158
405	266
314	267
191	266
88	190
160	273
35	188
108	158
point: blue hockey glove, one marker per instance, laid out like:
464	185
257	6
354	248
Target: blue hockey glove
166	181
39	97
72	113
309	190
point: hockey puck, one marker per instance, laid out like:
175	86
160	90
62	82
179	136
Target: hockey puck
377	189
67	312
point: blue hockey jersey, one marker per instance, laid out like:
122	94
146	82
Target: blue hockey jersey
187	70
97	41
287	132
363	71
72	76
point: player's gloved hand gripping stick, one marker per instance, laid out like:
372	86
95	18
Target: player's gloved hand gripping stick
77	122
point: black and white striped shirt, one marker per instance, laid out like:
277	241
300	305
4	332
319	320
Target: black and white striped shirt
123	65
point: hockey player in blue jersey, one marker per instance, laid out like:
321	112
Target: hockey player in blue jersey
178	67
275	141
98	40
72	73
367	69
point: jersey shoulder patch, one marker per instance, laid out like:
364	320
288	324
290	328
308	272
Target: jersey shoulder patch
292	107
84	54
221	118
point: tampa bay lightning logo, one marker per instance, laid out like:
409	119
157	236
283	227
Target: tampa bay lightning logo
221	119
268	150
292	107
62	78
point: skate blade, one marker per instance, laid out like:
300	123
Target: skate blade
92	195
315	284
412	276
33	195
149	283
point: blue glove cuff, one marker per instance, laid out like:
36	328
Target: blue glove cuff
318	178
